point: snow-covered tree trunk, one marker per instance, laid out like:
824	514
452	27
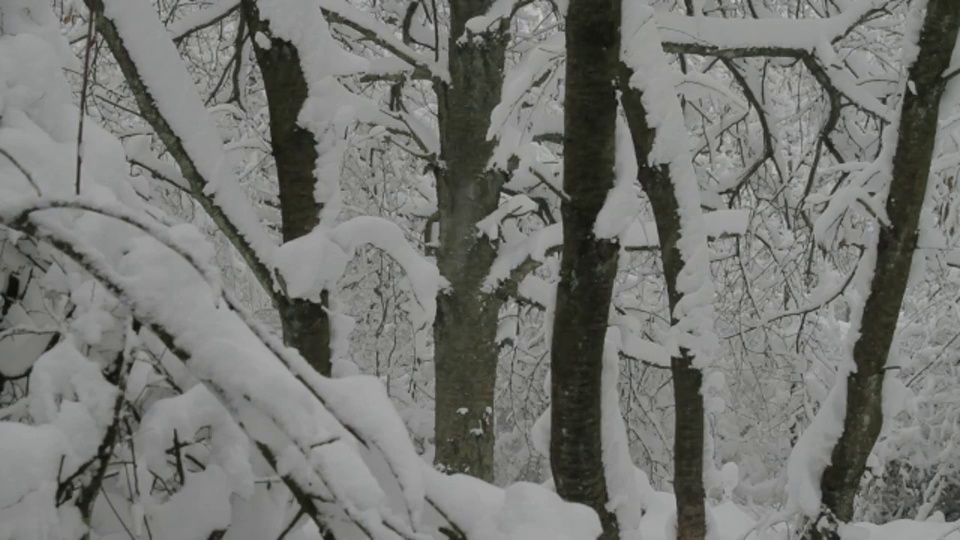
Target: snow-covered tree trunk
305	323
665	173
687	380
589	263
893	251
468	190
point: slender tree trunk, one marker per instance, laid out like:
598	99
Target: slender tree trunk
465	330
895	250
305	324
589	265
689	426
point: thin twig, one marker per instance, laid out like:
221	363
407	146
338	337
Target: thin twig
293	523
25	172
91	35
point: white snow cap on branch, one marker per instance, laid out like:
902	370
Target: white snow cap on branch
765	33
653	77
315	262
172	89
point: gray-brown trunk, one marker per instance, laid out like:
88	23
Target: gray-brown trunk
465	329
589	265
897	243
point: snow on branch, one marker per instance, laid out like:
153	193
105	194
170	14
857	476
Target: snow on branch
738	38
523	113
166	95
200	19
423	274
298	436
340	12
500	12
315	262
651	104
638	236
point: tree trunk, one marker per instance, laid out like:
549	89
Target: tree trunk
465	329
689	425
589	265
305	323
688	411
895	250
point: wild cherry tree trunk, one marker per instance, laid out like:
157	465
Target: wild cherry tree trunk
665	172
893	251
468	190
589	264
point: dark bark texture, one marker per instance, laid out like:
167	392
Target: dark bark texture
305	324
896	245
688	413
465	329
589	264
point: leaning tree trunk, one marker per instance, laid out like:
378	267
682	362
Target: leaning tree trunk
894	254
666	177
688	441
589	265
465	329
689	426
305	324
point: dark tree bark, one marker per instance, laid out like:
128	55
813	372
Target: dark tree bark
465	329
589	264
305	324
895	249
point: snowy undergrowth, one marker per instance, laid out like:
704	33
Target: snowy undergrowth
219	421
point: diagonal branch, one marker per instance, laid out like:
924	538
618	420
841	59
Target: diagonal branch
250	240
199	20
363	23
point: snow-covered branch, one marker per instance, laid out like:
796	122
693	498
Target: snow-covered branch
168	100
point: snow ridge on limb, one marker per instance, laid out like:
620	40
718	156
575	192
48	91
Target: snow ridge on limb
328	109
341	12
811	454
537	70
665	171
387	236
166	95
731	38
500	11
200	19
307	434
651	75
